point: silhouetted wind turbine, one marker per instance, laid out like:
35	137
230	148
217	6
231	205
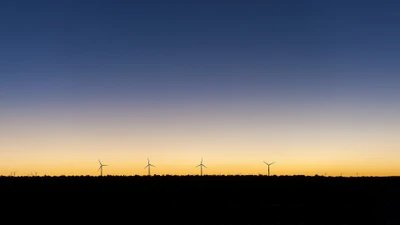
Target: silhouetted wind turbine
201	167
148	166
101	168
268	164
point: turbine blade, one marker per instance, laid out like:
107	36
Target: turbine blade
99	162
201	160
146	166
265	162
99	168
205	166
197	165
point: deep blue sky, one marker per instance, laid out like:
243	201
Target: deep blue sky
164	50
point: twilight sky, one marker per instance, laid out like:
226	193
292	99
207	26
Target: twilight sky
312	85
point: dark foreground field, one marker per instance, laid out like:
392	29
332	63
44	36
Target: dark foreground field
212	199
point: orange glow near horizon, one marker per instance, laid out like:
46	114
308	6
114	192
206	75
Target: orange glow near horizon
231	141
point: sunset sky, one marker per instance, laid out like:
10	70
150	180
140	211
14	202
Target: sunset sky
311	85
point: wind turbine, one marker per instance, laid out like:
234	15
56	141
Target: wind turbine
148	166
101	168
201	167
268	164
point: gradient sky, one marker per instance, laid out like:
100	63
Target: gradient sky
312	85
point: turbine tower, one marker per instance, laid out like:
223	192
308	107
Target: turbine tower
268	164
148	166
101	168
201	167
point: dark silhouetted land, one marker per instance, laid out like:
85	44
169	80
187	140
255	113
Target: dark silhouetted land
227	199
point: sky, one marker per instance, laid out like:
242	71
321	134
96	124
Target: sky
310	85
